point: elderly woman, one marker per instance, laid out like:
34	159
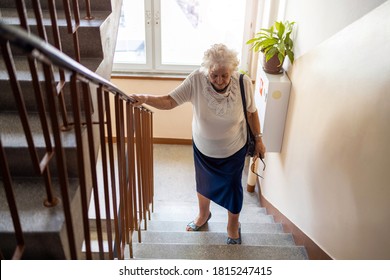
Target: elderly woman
218	131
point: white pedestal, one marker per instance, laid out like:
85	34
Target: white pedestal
251	182
272	93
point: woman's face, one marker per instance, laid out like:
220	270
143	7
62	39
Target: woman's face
220	77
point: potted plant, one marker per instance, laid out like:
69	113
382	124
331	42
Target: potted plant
275	43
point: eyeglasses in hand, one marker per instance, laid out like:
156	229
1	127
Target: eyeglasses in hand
253	166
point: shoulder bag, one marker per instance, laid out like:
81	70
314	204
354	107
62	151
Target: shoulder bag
250	140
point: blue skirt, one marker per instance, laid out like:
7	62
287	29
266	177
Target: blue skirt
219	179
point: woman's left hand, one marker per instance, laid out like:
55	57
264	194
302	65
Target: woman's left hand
260	148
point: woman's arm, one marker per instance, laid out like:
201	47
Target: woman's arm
162	102
254	123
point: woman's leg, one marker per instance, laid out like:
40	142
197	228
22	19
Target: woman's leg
233	225
204	210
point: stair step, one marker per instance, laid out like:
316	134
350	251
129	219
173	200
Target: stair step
216	238
89	31
17	151
174	206
30	194
95	5
217	217
7	100
217	252
43	227
179	226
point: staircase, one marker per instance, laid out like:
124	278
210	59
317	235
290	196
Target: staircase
44	227
176	205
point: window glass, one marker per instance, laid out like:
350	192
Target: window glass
189	27
130	45
172	35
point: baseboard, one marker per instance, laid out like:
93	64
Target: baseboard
301	239
172	141
168	141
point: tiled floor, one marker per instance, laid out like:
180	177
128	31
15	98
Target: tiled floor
174	179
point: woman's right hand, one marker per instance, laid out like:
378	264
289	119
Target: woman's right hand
161	102
139	99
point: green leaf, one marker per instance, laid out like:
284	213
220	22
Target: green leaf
281	30
270	53
251	41
290	55
281	58
281	48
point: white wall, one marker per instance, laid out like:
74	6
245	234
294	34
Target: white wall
175	123
318	20
332	177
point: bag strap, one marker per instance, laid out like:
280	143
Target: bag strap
244	101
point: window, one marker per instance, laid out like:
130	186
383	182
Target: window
170	36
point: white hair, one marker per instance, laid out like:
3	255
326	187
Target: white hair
218	56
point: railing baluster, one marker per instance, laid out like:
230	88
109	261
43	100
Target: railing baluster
60	159
7	182
21	8
140	168
88	10
103	146
81	163
145	168
57	44
72	28
131	171
121	170
149	159
112	174
92	162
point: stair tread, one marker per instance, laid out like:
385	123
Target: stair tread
168	206
217	252
34	216
216	238
220	217
246	227
23	70
13	134
95	5
10	17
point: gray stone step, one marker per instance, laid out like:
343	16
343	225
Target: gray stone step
43	227
7	100
180	226
217	252
187	211
216	216
248	207
16	148
216	238
96	5
89	32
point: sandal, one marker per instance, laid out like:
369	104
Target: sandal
193	227
232	241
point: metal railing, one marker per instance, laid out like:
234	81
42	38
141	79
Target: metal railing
125	177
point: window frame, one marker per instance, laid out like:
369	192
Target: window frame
154	66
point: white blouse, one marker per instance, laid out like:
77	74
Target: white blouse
218	123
